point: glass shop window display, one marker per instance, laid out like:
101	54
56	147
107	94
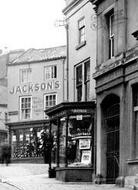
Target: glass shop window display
79	141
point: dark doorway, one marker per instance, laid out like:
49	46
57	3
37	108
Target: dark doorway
111	125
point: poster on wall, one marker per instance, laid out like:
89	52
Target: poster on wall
84	144
86	157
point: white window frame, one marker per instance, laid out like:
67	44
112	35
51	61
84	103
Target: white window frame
21	109
25	75
81	30
111	34
50	72
45	95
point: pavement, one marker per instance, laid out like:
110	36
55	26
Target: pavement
35	177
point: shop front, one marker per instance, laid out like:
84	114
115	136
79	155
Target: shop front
73	150
26	142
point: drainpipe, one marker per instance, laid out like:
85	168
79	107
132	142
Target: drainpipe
63	79
67	41
125	14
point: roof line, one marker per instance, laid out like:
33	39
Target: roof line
49	59
20	56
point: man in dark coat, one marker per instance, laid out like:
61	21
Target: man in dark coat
6	154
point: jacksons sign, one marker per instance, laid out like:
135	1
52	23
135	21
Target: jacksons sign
29	88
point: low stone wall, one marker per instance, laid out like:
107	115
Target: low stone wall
38	160
74	174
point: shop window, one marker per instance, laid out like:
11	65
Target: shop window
79	141
25	75
81	29
50	72
26	142
83	81
25	107
135	115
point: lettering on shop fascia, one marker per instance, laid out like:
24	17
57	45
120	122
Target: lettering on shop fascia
77	111
30	88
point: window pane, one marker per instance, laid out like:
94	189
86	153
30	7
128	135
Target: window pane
79	93
81	29
50	100
87	71
87	91
50	72
25	75
25	107
79	75
110	25
81	23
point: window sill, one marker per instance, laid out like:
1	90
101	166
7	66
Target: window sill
80	45
132	161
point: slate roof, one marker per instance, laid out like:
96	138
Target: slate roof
37	55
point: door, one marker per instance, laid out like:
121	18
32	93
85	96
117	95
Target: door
112	141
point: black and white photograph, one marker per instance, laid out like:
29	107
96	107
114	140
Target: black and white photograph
69	95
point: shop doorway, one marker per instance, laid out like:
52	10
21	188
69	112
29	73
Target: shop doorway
111	124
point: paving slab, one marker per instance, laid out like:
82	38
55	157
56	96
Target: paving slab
35	177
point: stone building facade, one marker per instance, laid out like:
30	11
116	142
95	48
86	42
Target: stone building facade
117	88
36	81
81	43
75	118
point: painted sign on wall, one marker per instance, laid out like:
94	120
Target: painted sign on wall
29	88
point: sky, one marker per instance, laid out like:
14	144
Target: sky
28	24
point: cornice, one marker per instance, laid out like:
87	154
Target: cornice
71	6
123	60
96	2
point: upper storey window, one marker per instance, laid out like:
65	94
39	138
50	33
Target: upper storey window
50	100
81	29
25	75
110	25
79	82
25	107
83	81
50	72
